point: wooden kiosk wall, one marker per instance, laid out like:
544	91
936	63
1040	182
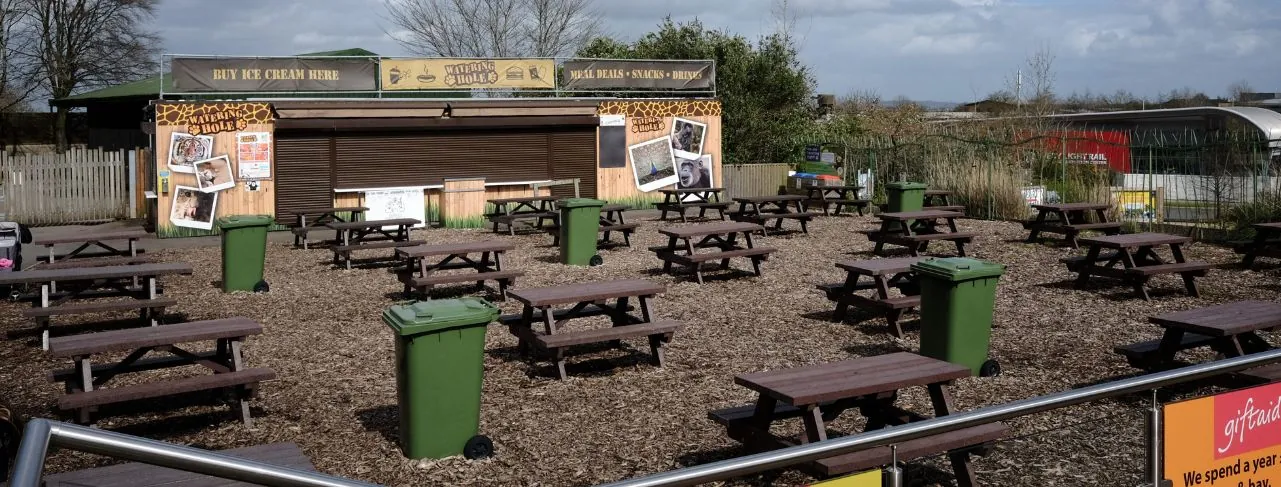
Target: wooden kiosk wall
647	120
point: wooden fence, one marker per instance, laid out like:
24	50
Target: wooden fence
754	179
78	186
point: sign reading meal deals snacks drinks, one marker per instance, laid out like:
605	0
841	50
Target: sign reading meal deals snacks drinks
1229	440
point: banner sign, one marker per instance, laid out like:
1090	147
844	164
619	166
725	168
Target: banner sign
448	74
1230	439
273	74
668	75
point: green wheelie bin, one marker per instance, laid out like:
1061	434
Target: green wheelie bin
904	196
440	354
957	298
244	252
579	224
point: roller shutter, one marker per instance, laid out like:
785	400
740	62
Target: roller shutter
372	160
574	156
303	178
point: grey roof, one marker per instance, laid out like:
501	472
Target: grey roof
1268	121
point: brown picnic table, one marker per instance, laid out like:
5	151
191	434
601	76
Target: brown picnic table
588	299
916	229
611	221
881	274
833	199
939	199
307	219
78	284
1135	251
370	234
89	239
421	274
762	209
818	394
85	382
1230	329
508	211
683	249
144	475
1267	237
679	200
1069	219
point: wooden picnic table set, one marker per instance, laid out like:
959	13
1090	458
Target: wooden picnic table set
762	209
685	245
1136	252
916	229
1069	220
508	211
370	234
833	199
305	220
90	239
878	275
427	266
680	200
1231	329
611	221
1267	236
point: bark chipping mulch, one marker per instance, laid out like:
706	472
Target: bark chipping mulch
618	416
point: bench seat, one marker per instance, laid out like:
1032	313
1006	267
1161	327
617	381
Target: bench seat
515	318
1140	354
694	204
1095	226
98	307
958	208
597	335
144	475
761	253
896	302
1260	375
167	387
504	278
839	204
343	252
974	436
1193	268
134	338
102	262
505	218
627	229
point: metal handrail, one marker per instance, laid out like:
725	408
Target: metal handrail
787	457
40	434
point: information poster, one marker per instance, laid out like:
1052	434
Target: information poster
1231	439
254	149
390	203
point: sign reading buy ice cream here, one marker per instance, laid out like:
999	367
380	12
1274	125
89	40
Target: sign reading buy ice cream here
1231	439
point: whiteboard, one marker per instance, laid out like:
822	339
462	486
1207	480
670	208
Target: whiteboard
396	203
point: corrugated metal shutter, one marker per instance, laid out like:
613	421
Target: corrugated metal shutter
574	156
427	158
302	173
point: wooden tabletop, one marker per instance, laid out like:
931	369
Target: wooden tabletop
615	207
459	248
938	192
1130	240
324	211
919	215
586	291
91	236
1224	319
523	199
713	228
691	190
92	273
1267	226
1072	206
356	225
880	267
152	336
144	475
851	378
771	198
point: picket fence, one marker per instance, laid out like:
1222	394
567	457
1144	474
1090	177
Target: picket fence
74	187
754	179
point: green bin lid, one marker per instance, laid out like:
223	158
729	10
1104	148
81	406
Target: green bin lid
905	185
579	203
958	269
240	221
439	314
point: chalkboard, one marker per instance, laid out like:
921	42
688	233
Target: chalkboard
612	147
813	153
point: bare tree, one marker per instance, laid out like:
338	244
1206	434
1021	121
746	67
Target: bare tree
1038	75
1238	90
498	28
84	44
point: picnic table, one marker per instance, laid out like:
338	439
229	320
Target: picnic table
1267	236
1135	252
1230	329
882	274
681	199
78	284
819	393
682	249
838	196
421	274
144	475
585	300
308	219
611	221
762	209
91	238
84	382
508	211
939	199
1069	219
916	229
370	234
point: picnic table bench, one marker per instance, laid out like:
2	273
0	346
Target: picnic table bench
1069	219
90	238
145	475
1267	236
1135	252
611	221
882	275
939	199
820	393
762	209
826	197
508	211
420	274
370	234
84	382
1230	329
588	299
96	282
916	229
307	219
722	236
679	200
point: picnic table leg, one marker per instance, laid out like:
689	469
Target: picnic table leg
84	369
43	322
815	429
697	266
1083	270
892	316
1189	280
1251	342
1035	230
1171	340
942	402
618	318
843	300
1139	282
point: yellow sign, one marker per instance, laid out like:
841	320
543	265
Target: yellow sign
1227	440
870	478
451	74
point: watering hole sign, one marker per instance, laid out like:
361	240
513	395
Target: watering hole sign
1230	440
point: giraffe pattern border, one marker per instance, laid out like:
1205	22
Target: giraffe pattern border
661	108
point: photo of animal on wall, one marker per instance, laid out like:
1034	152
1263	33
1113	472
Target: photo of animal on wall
653	163
193	208
214	174
687	138
185	149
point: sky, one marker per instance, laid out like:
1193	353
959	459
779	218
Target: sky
925	50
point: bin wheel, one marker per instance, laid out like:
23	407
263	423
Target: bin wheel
478	447
595	261
990	368
261	287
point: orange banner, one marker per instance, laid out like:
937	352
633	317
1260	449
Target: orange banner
1230	440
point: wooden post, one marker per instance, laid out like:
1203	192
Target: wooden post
1160	204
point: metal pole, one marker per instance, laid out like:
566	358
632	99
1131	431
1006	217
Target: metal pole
790	456
1153	434
29	463
893	474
